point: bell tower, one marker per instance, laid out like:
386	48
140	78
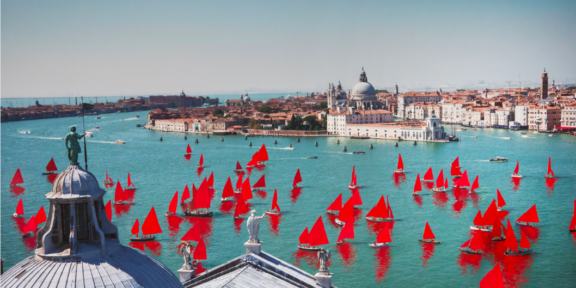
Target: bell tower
544	85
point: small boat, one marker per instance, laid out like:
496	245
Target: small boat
201	202
440	183
506	138
336	206
150	226
98	117
352	184
228	191
97	127
185	195
274	205
496	232
525	136
346	213
198	213
455	169
137	116
417	186
501	202
316	237
358	152
474	245
89	134
379	213
530	216
516	170
312	157
173	205
428	235
499	159
30	227
188	150
108	180
19	210
238	167
297	179
119	142
138	125
120	197
130	185
511	244
382	239
50	168
347	232
429	176
400	167
550	135
201	161
261	183
549	173
289	148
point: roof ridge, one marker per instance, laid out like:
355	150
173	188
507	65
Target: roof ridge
237	273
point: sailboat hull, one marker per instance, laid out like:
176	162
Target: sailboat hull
374	219
198	214
48	173
440	190
481	229
429	241
272	213
528	252
339	222
130	188
332	212
498	238
399	171
524	224
136	239
352	186
548	177
470	251
308	248
120	203
378	245
516	176
572	230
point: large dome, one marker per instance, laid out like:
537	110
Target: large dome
363	90
75	182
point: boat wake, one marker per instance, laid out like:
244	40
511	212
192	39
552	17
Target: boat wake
42	137
24	131
130	119
103	142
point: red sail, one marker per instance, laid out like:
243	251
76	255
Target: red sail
51	167
119	194
353	175
17	179
211	180
246	189
193	234
446	184
318	234
475	184
129	182
477	242
30	226
40	216
478	220
510	242
530	216
347	231
297	178
454	171
493	279
400	163
356	200
491	213
275	202
108	208
337	204
428	232
347	211
496	229
200	251
194	190
501	201
108	177
151	225
239	182
303	239
417	185
228	190
517	167
201	161
20	208
238	166
464	182
135	228
524	243
201	198
440	179
263	154
188	149
456	162
174	203
429	176
185	194
384	235
379	210
261	183
389	208
550	167
241	207
573	222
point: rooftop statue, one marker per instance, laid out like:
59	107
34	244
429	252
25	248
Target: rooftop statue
323	256
253	227
74	148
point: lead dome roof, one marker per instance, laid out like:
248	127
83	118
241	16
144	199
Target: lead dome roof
75	182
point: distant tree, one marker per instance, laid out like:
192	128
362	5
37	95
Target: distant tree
381	91
219	111
323	105
571	88
324	122
253	124
311	121
265	109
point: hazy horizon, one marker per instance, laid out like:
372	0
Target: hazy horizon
108	48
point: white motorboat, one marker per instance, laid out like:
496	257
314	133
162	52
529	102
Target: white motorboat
119	142
507	138
89	134
376	245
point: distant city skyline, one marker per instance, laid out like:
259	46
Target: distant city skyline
57	48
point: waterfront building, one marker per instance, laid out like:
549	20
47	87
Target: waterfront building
421	111
453	111
413	97
178	101
568	116
477	116
544	85
544	118
79	247
173	125
500	118
521	115
429	130
338	119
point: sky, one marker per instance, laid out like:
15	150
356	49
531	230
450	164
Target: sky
123	48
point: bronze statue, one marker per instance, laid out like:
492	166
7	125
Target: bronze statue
74	148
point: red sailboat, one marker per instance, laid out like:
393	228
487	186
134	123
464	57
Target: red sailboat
303	239
19	209
474	245
274	205
239	184
496	232
483	223
50	168
516	170
512	247
211	181
201	202
297	179
247	189
185	195
201	162
346	213
108	209
379	212
455	169
241	207
501	202
353	181
316	237
336	206
40	216
572	227
347	232
228	190
356	199
456	163
238	167
199	252
550	173
17	179
531	216
429	176
463	182
173	205
261	183
262	155
130	185
383	238
400	167
30	227
428	235
120	196
108	179
193	234
440	182
188	150
417	186
150	227
475	185
493	279
390	213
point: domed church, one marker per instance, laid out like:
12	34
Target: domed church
362	96
79	247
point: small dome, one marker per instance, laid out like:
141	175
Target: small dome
75	182
363	89
246	98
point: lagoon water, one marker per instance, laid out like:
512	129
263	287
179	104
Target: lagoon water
159	169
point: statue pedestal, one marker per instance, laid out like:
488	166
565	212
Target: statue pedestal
324	280
187	273
253	247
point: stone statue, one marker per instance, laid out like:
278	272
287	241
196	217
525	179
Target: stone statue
323	256
185	253
253	227
74	148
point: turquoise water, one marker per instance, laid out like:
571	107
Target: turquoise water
158	169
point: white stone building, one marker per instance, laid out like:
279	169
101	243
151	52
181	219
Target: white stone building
568	116
429	130
500	118
339	118
453	111
413	97
421	111
174	125
521	115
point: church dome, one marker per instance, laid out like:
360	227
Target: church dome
363	89
75	182
246	98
